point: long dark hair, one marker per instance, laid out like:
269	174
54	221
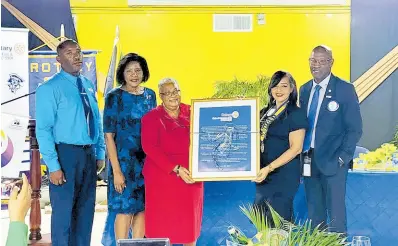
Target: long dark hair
275	80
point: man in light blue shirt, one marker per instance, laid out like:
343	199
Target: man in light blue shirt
71	141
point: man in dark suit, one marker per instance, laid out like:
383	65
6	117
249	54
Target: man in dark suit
335	127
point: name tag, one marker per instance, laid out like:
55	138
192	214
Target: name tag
307	166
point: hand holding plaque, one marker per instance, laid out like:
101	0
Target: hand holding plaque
184	174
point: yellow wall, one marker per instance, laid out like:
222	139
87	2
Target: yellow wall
180	42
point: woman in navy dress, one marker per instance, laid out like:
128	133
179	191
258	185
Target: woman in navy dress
282	128
124	108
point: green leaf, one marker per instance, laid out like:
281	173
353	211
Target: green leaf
243	88
297	235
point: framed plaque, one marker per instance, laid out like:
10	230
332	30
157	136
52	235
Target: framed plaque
225	139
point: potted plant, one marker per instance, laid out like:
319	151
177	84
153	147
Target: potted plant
282	233
243	88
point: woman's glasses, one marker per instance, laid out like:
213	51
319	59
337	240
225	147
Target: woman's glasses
170	94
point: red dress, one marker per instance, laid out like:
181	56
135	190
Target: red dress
173	209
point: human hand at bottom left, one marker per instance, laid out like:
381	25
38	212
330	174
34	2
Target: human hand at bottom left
19	204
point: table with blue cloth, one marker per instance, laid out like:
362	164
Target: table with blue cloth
372	206
371	199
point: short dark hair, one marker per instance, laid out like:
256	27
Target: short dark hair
275	79
65	43
324	49
131	57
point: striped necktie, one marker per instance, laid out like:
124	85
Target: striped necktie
87	109
311	119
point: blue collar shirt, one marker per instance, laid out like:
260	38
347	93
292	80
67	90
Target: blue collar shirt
60	117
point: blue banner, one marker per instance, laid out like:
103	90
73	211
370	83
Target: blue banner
43	65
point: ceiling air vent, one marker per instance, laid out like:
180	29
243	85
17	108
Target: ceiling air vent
232	23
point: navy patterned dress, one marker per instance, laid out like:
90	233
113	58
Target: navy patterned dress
122	115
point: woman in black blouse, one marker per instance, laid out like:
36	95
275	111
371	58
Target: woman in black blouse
282	126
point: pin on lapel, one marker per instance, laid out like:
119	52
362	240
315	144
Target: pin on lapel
329	96
333	106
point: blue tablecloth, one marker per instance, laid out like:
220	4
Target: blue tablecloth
372	206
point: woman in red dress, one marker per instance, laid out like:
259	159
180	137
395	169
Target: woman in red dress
173	201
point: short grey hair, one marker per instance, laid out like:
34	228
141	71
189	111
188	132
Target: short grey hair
168	81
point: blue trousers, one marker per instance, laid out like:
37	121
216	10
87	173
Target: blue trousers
73	202
326	198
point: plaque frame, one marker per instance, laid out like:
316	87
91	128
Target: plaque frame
232	105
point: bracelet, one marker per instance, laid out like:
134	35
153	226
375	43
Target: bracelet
271	168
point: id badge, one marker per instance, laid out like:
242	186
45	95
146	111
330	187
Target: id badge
307	166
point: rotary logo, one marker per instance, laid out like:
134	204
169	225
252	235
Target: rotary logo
15	82
19	48
7	149
235	114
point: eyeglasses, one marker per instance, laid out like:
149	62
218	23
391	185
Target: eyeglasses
169	94
320	62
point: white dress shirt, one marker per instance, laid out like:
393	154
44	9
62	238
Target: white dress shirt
324	84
